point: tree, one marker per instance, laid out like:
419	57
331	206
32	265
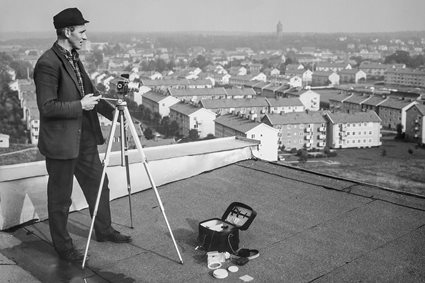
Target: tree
193	134
156	118
23	69
148	134
199	62
400	134
302	156
174	129
165	126
209	137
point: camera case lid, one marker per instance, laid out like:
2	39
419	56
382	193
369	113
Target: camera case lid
240	215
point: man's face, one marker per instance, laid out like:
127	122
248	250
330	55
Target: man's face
77	37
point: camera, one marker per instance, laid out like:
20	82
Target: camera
122	85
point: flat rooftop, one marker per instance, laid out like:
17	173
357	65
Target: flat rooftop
309	228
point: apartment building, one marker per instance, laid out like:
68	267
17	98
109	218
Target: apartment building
374	70
299	129
415	124
324	78
351	76
176	83
271	89
285	105
248	127
308	97
405	77
332	67
236	93
393	112
353	130
354	103
372	104
196	94
305	74
191	117
244	80
258	105
157	102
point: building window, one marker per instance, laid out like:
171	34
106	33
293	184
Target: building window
253	136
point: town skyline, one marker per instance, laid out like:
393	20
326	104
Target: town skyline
324	16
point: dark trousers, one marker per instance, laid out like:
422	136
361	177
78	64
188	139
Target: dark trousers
87	169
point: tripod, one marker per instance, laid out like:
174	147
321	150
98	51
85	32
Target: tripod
122	112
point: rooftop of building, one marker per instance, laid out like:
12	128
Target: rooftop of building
309	227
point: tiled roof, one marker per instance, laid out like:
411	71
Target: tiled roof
238	123
322	73
421	108
357	99
185	108
272	87
174	82
240	91
330	64
395	103
349	71
357	117
234	103
407	71
296	118
291	101
374	100
154	96
198	92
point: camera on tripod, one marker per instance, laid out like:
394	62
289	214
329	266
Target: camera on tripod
122	85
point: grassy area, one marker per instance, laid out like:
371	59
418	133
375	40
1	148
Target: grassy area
395	164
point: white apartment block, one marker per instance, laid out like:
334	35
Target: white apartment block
309	98
415	123
353	130
191	117
324	78
159	103
393	112
405	77
351	76
246	126
299	129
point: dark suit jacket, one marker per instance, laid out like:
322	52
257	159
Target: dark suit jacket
61	113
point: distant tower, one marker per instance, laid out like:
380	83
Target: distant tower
279	30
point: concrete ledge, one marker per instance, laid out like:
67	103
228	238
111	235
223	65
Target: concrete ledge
23	186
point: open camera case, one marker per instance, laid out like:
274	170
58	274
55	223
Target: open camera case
222	235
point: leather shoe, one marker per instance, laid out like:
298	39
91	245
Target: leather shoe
115	237
71	255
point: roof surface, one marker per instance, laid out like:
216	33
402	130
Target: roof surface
308	228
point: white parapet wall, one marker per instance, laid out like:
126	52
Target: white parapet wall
23	187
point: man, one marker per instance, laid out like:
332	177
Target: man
70	133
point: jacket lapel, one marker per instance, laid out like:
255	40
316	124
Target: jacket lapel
68	68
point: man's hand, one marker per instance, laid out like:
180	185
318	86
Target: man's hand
88	102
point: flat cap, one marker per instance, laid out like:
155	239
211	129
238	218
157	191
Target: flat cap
68	17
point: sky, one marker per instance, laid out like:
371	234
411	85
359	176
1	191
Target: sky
323	16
